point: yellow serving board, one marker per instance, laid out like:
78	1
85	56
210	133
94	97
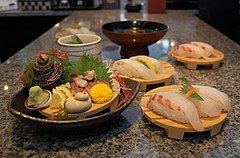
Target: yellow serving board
174	129
165	78
192	63
95	108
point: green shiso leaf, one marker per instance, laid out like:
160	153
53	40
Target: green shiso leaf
28	74
67	71
196	96
88	63
186	86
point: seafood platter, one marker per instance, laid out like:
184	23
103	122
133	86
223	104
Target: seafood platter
197	53
180	109
60	94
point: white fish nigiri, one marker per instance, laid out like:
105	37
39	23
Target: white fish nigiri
176	107
221	99
206	48
207	107
189	50
154	63
132	68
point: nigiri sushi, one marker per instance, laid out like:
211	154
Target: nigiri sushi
151	63
194	50
133	68
206	48
207	107
190	51
221	99
176	107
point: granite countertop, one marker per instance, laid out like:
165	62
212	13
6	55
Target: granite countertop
129	135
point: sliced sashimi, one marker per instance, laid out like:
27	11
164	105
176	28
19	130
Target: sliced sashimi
176	107
132	68
207	107
221	99
152	63
206	48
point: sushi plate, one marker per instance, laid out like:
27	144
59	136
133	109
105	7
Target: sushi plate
36	120
192	63
174	129
165	78
95	108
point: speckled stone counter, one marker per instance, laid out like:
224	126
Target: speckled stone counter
129	135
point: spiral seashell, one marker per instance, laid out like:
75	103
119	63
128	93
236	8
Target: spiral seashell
47	71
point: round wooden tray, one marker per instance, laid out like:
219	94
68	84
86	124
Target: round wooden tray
192	63
95	108
165	78
174	129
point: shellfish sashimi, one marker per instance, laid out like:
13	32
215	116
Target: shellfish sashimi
207	107
221	99
132	68
176	107
152	63
190	51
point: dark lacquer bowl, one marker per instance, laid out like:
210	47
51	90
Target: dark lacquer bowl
133	7
38	121
134	36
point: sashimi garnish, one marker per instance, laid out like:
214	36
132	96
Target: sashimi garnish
146	62
190	91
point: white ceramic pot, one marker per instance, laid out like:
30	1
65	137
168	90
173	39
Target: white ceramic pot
91	45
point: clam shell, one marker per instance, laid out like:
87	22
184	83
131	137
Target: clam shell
45	104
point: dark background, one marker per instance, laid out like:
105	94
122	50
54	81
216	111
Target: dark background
17	32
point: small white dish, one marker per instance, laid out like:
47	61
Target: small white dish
91	45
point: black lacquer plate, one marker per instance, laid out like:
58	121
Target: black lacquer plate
34	119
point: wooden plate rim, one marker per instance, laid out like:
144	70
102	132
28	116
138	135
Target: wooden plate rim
201	60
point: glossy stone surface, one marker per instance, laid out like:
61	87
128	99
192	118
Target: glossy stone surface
129	135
